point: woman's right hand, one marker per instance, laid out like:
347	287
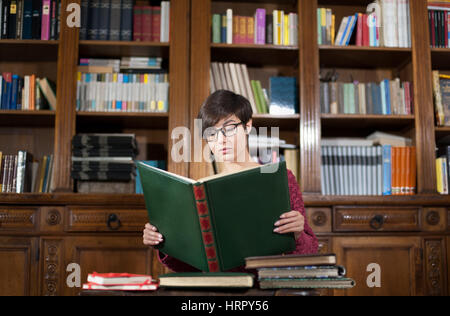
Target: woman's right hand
151	236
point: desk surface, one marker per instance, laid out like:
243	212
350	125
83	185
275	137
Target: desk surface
203	292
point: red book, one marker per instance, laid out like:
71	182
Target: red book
147	23
446	28
137	23
118	278
156	24
236	25
45	26
359	30
365	29
433	35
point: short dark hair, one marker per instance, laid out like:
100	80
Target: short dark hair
222	104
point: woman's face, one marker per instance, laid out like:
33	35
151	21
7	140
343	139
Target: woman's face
230	148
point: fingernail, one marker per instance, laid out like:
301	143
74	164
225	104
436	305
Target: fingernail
276	230
277	223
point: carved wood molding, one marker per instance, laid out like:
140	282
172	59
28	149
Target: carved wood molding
434	267
17	219
52	260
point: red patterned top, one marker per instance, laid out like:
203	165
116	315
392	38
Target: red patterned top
305	244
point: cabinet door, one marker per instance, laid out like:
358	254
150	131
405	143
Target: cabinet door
399	260
19	259
117	254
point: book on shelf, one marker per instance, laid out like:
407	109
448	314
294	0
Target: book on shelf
264	27
29	19
386	23
441	93
280	99
315	283
22	174
302	272
279	261
214	216
439	23
388	97
124	20
380	138
206	280
26	93
347	169
442	169
120	282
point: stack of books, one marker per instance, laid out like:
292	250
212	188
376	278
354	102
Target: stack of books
387	24
28	19
120	282
442	169
21	173
122	20
26	93
299	271
383	98
357	167
130	84
280	99
275	28
439	23
104	157
441	92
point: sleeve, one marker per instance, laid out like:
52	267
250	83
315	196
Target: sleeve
307	242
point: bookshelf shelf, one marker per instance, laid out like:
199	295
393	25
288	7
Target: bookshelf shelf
111	49
27	118
284	122
255	55
440	58
13	50
124	119
364	57
358	121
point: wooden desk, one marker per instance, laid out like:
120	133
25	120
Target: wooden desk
203	292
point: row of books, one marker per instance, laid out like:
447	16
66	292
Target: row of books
441	93
26	93
277	28
30	19
386	97
386	24
121	20
127	92
282	97
21	173
103	157
442	170
105	65
439	24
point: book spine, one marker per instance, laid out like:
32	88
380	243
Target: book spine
12	20
137	23
105	7
114	20
260	26
45	28
387	170
156	24
206	227
126	26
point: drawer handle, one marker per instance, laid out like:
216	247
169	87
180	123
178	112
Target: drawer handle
377	222
113	218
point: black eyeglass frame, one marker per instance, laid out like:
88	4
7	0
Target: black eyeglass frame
222	129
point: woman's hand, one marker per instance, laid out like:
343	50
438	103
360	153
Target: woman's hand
290	222
151	236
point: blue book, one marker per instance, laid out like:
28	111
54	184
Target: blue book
27	19
283	95
84	19
93	28
1	90
126	23
351	27
14	92
7	100
387	168
388	96
344	36
223	28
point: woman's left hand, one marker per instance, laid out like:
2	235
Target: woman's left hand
290	222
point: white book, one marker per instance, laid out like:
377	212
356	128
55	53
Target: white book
390	22
248	87
26	90
359	167
341	31
229	26
346	142
329	170
379	170
240	77
365	169
323	174
234	78
335	165
276	24
373	182
225	72
341	170
165	21
408	24
215	81
349	171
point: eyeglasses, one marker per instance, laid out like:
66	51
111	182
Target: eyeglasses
227	131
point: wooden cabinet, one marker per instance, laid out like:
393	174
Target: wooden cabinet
19	258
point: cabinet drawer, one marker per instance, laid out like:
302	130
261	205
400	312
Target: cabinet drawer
373	219
92	219
16	218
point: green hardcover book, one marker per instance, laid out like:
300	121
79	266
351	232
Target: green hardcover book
207	280
264	106
214	223
216	27
257	98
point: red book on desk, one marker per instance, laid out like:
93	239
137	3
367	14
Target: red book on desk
120	281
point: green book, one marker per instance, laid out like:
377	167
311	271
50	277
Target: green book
207	280
257	97
214	223
264	106
216	27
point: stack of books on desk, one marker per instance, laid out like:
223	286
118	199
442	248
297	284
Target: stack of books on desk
299	271
120	282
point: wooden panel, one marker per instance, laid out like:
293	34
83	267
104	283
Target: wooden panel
367	219
110	254
319	219
434	219
423	98
16	218
435	263
66	100
94	219
309	98
448	265
51	219
399	260
17	260
52	270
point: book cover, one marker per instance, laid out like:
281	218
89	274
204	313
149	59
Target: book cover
207	225
283	95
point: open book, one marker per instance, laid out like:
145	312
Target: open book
214	223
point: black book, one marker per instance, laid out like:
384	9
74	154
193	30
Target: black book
12	19
114	20
93	20
36	19
84	19
102	176
5	14
126	23
105	7
269	29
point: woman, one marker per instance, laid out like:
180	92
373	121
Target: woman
226	121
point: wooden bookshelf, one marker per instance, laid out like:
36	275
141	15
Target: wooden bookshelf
106	49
